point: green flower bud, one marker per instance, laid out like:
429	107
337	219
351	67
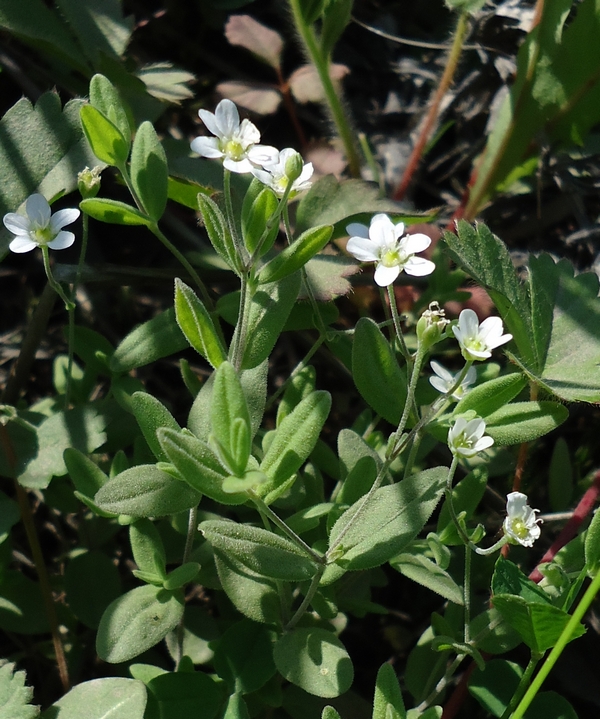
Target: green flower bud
431	326
294	166
88	182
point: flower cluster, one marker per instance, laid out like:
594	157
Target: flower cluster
237	144
39	227
390	247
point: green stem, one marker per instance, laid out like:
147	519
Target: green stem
264	508
523	684
56	285
563	640
412	454
467	595
238	344
312	590
270	224
397	325
239	247
334	102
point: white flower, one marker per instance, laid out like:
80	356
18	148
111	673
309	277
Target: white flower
466	439
445	380
237	143
285	168
520	525
478	340
40	227
388	245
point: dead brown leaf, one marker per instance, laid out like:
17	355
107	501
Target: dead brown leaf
263	42
262	99
306	85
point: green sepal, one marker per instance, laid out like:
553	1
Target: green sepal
258	208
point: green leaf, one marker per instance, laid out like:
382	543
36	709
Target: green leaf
261	551
255	596
230	420
114	212
376	373
80	428
566	308
336	17
486	259
42	148
152	340
315	660
198	466
330	713
300	385
388	702
492	395
166	82
466	496
550	705
244	656
197	325
100	27
113	697
34	22
258	208
149	170
389	522
15	697
105	138
311	10
495	686
21	605
148	550
592	545
294	440
145	491
540	625
182	575
560	477
296	255
105	97
92	582
218	231
151	415
422	570
509	579
137	621
524	421
267	315
185	694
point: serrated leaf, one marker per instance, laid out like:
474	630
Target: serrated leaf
15	696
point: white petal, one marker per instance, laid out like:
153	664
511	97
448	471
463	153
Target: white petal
418	266
265	177
439	384
211	122
206	147
470	377
363	249
263	155
357	230
483	443
411	244
515	504
306	174
239	166
227	118
17	224
248	133
442	372
381	231
62	218
22	244
475	428
38	210
384	276
63	240
398	230
468	323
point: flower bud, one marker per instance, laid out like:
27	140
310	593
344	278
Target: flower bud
431	326
88	182
294	166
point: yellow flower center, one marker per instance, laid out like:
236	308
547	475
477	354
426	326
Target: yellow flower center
234	150
42	235
519	528
392	257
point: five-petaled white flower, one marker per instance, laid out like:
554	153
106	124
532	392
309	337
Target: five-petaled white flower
478	340
466	439
236	143
445	380
287	167
521	524
40	227
387	244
